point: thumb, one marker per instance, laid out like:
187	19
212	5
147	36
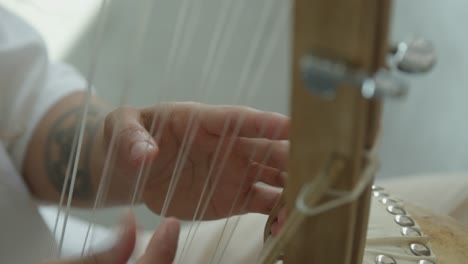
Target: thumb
163	245
120	253
134	143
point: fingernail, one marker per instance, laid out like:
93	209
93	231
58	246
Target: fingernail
140	136
141	148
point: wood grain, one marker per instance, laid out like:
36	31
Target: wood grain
354	32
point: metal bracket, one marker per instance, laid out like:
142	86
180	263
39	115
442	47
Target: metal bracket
416	55
323	77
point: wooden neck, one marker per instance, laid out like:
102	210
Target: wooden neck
354	32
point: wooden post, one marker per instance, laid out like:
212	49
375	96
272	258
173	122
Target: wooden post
354	32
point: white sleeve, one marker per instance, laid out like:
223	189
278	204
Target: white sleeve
29	83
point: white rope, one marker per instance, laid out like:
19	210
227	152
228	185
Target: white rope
304	210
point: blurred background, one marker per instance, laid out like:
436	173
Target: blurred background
425	133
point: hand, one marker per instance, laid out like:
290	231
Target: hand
161	248
135	142
279	222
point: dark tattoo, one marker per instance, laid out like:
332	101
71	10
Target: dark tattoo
59	152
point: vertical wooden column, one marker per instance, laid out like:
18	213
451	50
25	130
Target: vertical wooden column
353	32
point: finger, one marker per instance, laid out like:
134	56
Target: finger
135	144
268	175
119	254
278	224
163	245
249	122
272	153
262	199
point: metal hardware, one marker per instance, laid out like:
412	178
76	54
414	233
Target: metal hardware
384	84
323	77
425	261
384	259
410	231
404	220
394	209
377	188
386	200
414	55
420	250
378	194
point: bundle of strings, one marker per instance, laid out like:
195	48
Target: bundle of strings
267	31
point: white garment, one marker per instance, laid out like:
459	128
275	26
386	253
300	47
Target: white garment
29	86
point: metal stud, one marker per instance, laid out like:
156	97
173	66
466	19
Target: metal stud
387	200
404	220
420	250
384	259
378	194
425	261
377	188
397	210
410	231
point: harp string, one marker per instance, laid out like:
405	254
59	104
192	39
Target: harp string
142	26
64	186
168	81
210	68
242	84
210	73
304	209
272	44
192	127
243	208
253	154
79	136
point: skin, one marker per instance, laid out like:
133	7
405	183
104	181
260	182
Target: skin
161	248
234	177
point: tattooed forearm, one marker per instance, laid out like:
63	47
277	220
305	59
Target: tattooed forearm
60	152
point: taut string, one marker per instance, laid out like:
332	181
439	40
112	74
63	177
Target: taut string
243	83
78	143
142	27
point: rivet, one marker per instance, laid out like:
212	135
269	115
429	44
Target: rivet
425	261
386	200
409	231
420	250
393	209
384	259
404	220
378	194
377	188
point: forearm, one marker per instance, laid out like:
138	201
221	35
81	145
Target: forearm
50	156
